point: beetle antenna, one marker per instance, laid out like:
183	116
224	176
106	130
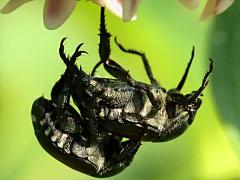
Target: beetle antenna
204	83
181	83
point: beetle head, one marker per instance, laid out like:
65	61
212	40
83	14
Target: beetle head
40	108
177	103
45	112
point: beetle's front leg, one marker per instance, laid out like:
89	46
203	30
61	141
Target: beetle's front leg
61	91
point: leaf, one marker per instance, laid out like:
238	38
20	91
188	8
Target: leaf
224	48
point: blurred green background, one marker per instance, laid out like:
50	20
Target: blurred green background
30	65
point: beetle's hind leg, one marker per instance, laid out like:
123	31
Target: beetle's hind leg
144	60
104	45
111	66
104	52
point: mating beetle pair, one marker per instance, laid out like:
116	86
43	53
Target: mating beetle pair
91	140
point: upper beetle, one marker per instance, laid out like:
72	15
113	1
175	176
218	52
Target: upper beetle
128	108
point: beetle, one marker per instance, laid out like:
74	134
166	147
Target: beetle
126	107
65	135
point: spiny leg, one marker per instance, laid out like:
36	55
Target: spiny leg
62	53
62	89
104	45
75	55
181	83
59	85
111	66
95	68
144	60
197	93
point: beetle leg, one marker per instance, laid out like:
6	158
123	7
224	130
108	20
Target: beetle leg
70	60
61	91
76	54
61	51
125	156
181	83
104	45
117	71
64	85
144	60
111	66
104	52
197	93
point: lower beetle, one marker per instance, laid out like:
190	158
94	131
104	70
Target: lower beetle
68	138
